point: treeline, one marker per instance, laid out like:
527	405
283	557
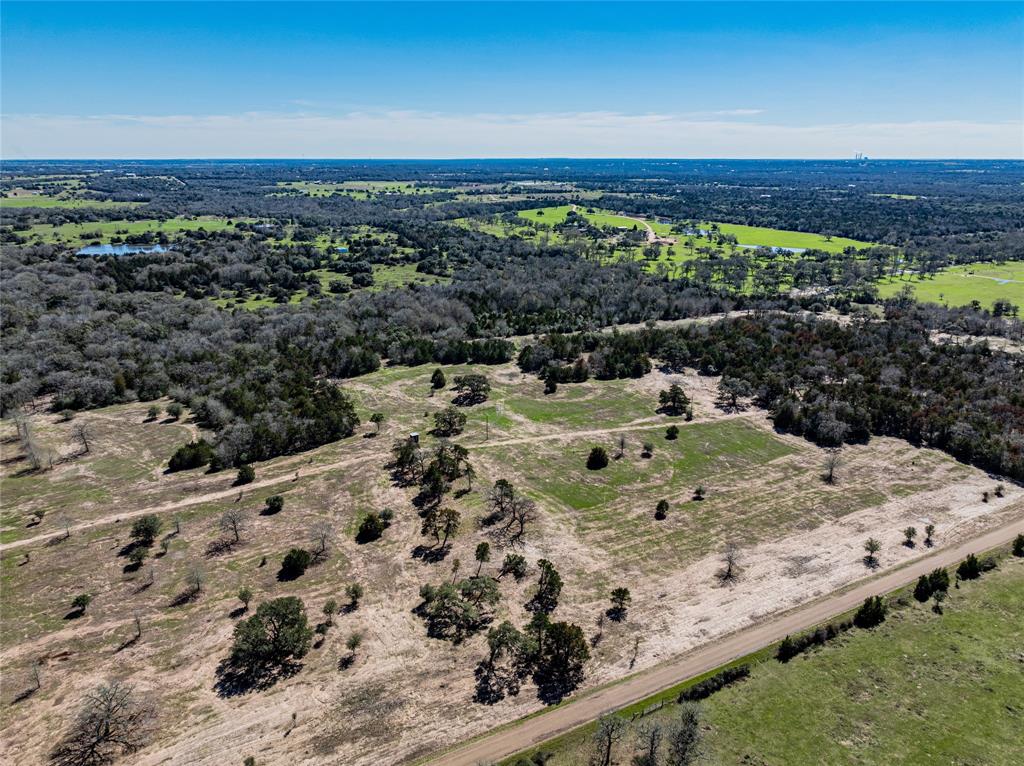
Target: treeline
835	384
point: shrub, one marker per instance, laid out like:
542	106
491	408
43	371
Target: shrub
1018	545
146	528
81	601
437	379
661	511
295	563
246	475
175	410
709	686
923	589
274	504
597	459
191	455
871	613
672	433
371	528
969	569
791	647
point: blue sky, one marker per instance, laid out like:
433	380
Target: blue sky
386	79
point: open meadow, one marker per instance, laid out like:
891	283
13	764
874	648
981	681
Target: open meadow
404	694
960	285
924	687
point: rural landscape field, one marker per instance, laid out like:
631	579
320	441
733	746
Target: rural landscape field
464	384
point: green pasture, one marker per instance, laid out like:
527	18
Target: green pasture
959	285
104	231
921	689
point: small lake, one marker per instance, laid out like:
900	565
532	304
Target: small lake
121	249
787	249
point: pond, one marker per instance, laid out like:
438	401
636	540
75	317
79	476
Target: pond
121	249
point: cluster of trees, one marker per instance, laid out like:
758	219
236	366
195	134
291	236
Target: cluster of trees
835	383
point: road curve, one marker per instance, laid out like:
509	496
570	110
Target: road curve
533	731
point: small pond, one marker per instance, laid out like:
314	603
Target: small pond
121	249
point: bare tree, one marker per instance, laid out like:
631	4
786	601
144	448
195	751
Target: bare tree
610	729
730	571
233	521
648	742
684	739
111	722
321	534
195	579
832	462
83	434
521	512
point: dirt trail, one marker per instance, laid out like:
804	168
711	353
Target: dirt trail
533	731
316	470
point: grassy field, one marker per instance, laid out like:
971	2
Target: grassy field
921	689
60	202
384	278
959	285
760	236
598	527
84	233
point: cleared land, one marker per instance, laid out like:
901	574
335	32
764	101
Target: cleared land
84	233
923	688
408	695
959	285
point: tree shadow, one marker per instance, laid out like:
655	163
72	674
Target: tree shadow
220	547
234	680
56	540
24	695
75	614
871	562
616	614
493	684
128	643
187	596
430	554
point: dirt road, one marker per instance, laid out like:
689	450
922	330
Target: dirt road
533	731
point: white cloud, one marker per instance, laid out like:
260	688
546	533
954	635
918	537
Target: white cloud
408	134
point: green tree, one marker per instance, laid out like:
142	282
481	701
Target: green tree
482	555
1018	545
437	379
295	563
597	459
661	511
370	528
673	400
620	603
245	596
273	504
871	613
923	589
872	546
246	474
81	602
146	528
354	591
549	588
377	418
672	433
449	422
561	660
969	569
278	632
515	565
908	536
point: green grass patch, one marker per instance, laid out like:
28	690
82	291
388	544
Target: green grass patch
959	285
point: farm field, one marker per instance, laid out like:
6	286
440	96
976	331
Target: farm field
922	688
960	285
799	537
